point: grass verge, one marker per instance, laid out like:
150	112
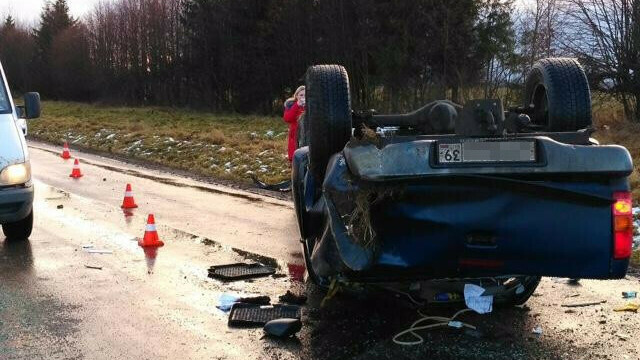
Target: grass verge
228	147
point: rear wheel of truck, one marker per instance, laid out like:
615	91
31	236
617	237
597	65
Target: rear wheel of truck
559	92
328	115
19	230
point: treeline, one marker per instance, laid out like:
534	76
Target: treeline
247	55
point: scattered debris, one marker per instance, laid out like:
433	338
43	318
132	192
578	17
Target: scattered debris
291	298
99	251
256	300
258	315
592	303
475	301
623	337
283	328
226	301
284	186
60	206
537	330
629	294
631	307
239	271
437	322
87	246
93	267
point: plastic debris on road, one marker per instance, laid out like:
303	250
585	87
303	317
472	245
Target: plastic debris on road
291	298
475	301
98	251
283	328
629	294
226	301
537	330
631	307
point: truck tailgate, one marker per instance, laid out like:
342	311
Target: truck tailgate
471	225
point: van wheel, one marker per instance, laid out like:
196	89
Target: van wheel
559	92
19	230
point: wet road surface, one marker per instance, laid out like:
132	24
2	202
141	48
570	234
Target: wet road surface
58	301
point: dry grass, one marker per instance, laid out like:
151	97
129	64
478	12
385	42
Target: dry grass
224	146
613	129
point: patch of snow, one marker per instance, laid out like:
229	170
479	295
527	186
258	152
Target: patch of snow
269	134
264	153
110	136
222	149
227	170
227	165
249	172
636	211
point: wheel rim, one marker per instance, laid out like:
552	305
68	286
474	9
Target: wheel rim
540	103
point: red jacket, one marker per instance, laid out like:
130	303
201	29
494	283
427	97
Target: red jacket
292	112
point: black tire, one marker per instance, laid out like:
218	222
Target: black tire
512	298
559	92
19	230
328	115
302	134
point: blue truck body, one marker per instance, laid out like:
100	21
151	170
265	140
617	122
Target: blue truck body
433	221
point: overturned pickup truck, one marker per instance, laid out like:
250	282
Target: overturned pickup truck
453	192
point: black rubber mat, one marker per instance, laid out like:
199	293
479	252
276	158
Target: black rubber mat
239	271
256	315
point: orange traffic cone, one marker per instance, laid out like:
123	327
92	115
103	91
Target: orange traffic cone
128	202
75	173
65	151
150	238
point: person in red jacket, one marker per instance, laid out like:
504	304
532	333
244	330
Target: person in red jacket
293	108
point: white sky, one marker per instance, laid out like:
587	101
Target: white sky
28	11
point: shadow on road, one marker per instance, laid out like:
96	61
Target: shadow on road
361	325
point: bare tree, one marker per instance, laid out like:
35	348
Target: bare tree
606	38
540	32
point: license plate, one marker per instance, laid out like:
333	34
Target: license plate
474	151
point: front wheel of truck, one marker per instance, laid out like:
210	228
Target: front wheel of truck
19	230
557	92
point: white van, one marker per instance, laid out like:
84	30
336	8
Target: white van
16	188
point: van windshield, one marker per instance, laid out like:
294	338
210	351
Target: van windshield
5	105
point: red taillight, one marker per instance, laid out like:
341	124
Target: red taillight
622	225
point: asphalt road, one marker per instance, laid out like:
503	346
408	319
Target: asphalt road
52	306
